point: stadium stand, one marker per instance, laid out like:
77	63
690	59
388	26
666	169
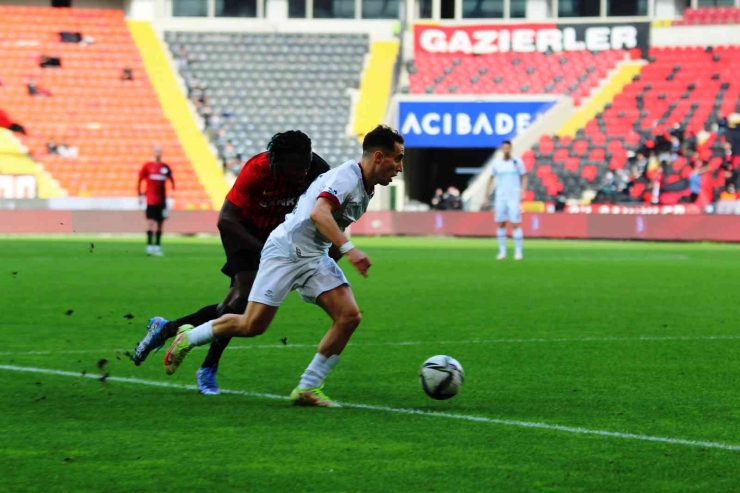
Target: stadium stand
709	16
252	85
573	73
666	113
111	125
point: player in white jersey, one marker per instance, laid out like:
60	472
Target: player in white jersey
509	178
295	257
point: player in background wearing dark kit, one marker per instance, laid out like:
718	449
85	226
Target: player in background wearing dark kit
155	173
266	189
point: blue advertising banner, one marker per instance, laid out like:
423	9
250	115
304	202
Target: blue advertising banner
467	123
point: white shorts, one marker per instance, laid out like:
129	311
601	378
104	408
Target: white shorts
507	210
280	274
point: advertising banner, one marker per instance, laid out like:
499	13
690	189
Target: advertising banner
485	39
458	124
17	187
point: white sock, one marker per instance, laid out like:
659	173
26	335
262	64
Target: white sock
317	371
518	235
501	233
202	334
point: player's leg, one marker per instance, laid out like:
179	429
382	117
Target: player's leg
515	216
235	302
150	226
275	279
254	322
158	234
329	289
340	305
160	329
500	217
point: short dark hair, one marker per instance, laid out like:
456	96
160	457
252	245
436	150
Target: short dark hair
506	142
292	145
382	138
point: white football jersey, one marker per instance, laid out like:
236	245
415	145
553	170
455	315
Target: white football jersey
508	173
298	236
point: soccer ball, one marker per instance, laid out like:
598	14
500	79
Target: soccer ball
441	377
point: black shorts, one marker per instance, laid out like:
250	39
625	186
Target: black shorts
237	258
156	212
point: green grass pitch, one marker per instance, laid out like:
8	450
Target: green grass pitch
594	367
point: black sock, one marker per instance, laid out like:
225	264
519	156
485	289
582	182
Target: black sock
200	317
149	237
159	237
215	352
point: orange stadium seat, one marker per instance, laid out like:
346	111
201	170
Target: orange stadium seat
114	124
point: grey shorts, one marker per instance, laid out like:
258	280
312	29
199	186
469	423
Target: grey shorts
279	274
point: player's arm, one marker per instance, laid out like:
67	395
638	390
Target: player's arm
142	177
143	174
228	222
524	183
523	177
322	217
171	178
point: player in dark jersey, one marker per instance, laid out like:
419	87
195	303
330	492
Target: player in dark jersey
266	189
155	174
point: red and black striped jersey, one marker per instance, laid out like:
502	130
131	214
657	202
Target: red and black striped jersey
263	198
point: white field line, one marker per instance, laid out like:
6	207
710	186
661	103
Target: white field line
464	417
413	343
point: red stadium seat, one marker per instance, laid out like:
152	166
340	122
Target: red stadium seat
589	172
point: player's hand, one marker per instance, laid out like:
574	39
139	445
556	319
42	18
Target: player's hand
141	200
359	260
523	196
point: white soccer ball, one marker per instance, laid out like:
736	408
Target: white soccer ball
441	377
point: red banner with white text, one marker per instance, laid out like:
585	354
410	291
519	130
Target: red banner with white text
485	39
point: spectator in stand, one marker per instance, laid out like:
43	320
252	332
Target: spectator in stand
606	191
52	148
208	118
677	131
689	143
729	193
453	200
229	156
640	166
657	181
729	166
653	164
721	122
127	74
675	147
438	200
623	183
695	180
181	59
